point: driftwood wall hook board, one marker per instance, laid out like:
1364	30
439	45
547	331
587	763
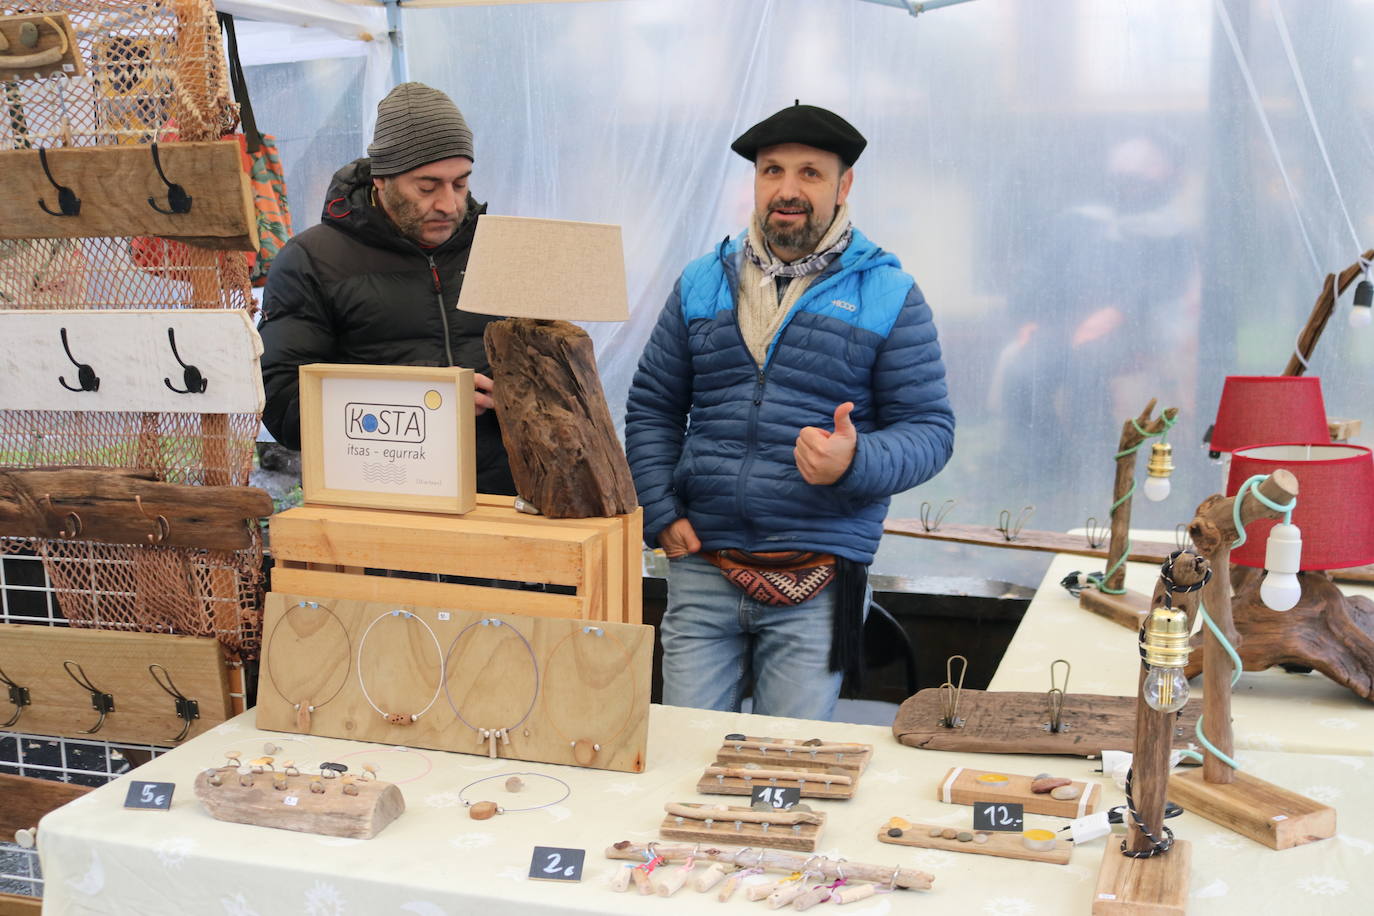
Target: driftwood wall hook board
123	191
36	46
126	506
516	687
128	359
818	769
82	682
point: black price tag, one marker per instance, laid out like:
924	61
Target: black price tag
554	863
781	797
149	795
998	816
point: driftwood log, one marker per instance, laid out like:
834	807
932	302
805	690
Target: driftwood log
127	506
771	860
564	454
1125	478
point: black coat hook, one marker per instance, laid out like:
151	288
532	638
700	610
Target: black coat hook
190	376
188	710
177	199
101	702
85	375
19	696
68	204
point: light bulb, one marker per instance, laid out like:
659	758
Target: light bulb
1156	488
1360	316
1280	589
1166	689
1361	308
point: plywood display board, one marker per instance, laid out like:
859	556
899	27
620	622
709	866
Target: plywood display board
117	664
565	691
388	437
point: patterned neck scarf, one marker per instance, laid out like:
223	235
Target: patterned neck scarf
831	246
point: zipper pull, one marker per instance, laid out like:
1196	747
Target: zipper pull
434	272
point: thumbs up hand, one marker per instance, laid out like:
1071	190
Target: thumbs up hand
823	457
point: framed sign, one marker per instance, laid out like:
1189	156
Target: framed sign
388	437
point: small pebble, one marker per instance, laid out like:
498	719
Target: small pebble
1065	793
949	833
812	742
1042	776
514	784
734	736
965	836
936	831
762	806
1048	784
801	806
980	837
895	831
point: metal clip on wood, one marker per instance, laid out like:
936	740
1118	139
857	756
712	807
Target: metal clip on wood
1095	532
950	693
19	696
1009	530
68	204
85	375
188	710
930	524
1056	697
178	201
191	377
101	702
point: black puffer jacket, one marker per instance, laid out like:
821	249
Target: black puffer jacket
354	290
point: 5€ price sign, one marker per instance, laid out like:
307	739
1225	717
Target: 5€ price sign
554	863
156	795
998	816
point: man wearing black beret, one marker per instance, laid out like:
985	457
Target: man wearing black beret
792	385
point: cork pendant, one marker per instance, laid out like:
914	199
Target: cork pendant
483	810
399	718
303	717
584	751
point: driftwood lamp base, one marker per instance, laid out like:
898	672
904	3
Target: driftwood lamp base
1129	609
1264	812
1157	886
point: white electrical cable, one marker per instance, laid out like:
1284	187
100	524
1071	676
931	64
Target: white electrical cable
438	650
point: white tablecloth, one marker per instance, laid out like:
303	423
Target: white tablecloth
1271	710
101	858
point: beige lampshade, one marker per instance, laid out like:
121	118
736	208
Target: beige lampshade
546	268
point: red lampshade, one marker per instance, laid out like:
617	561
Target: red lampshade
1256	409
1335	508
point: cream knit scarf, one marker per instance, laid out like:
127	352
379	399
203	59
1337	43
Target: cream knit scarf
760	312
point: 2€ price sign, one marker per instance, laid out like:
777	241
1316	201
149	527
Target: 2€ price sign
157	795
782	797
998	816
554	863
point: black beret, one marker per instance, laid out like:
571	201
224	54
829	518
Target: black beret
804	124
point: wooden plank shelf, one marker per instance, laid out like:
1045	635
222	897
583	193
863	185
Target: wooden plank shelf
999	843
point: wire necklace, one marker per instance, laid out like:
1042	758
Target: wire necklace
585	749
480	811
400	718
304	708
492	735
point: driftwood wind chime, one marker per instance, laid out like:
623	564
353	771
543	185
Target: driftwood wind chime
129	385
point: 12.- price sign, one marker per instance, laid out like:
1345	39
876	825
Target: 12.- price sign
554	863
1006	816
781	797
156	795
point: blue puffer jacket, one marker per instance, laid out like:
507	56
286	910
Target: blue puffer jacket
710	436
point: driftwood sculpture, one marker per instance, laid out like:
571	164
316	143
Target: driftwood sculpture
564	454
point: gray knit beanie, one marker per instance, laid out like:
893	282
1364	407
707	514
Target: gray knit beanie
417	125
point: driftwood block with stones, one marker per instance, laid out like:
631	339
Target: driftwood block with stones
564	454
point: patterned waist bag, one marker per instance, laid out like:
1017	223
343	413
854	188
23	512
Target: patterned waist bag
779	578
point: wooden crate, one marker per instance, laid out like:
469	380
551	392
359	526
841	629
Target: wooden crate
322	551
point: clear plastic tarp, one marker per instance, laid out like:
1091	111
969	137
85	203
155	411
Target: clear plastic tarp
1104	202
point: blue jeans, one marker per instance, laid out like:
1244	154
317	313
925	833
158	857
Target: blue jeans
714	638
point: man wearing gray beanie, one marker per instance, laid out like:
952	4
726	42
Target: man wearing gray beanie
377	281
